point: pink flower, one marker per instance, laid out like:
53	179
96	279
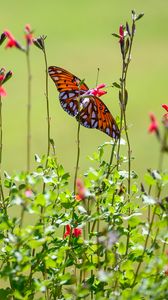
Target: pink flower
121	33
81	191
12	42
97	91
28	193
2	92
153	127
28	34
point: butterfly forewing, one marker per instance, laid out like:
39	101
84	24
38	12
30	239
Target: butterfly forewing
70	88
66	81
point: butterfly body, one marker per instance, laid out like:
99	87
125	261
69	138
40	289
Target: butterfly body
77	100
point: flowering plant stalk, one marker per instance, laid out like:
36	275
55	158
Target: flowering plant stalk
126	37
28	36
3	78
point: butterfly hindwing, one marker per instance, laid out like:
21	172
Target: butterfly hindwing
95	114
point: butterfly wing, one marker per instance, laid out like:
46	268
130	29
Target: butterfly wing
69	87
95	114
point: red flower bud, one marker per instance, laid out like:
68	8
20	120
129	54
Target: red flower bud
153	127
121	33
28	35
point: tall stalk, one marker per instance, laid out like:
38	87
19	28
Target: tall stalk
47	101
78	155
126	49
1	191
28	108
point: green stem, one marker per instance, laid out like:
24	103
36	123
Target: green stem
2	199
123	102
145	246
47	103
28	109
111	159
1	150
147	238
77	159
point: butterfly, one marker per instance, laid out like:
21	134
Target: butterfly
76	100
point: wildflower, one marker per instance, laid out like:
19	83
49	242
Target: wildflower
165	116
97	91
75	232
2	92
81	191
28	35
153	127
28	193
12	42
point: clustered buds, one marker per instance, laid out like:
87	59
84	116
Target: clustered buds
39	42
4	77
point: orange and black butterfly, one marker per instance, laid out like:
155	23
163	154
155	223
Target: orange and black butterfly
88	109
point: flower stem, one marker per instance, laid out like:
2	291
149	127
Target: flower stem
47	102
1	192
147	237
77	159
28	109
123	97
145	246
111	159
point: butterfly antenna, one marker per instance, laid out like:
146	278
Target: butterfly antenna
97	77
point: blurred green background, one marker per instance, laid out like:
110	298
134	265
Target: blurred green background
79	39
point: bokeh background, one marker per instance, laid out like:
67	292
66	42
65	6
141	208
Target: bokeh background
79	39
